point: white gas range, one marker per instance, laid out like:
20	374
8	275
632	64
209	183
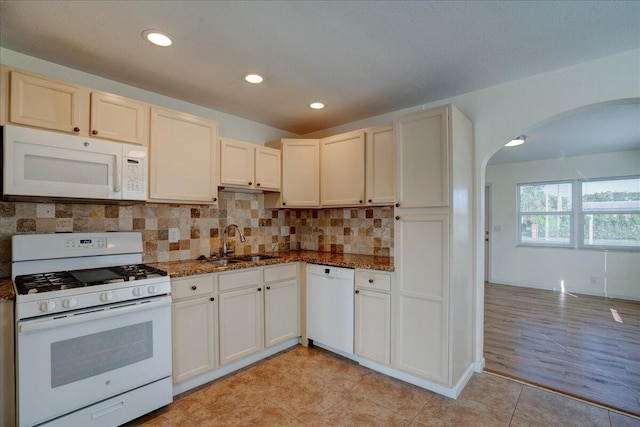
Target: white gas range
93	330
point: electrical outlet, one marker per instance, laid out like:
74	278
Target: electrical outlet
594	279
174	235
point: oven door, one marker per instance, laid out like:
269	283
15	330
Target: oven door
67	363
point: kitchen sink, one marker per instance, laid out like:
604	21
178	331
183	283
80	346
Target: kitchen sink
223	261
254	258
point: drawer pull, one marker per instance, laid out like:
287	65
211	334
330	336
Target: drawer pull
268	287
357	291
194	287
212	299
259	289
370	280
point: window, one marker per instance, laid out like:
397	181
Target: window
606	213
545	214
610	213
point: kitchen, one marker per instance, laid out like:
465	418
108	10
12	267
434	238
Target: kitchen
200	227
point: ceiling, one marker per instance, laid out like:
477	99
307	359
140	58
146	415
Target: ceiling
361	58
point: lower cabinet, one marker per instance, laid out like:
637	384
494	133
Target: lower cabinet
240	323
194	326
373	316
281	304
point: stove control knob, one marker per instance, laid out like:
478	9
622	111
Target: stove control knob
69	302
137	291
106	296
152	289
46	306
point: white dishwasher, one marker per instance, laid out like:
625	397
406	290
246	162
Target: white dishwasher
330	303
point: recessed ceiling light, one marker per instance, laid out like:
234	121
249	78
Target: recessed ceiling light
254	78
317	105
516	141
157	38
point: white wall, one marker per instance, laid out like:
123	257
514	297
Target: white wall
616	272
228	126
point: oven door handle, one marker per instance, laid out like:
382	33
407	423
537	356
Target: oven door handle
44	324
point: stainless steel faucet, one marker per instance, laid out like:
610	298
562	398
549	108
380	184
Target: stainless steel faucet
243	239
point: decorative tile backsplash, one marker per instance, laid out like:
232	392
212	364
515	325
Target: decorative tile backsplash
367	231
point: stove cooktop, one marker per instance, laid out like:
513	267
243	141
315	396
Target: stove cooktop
29	284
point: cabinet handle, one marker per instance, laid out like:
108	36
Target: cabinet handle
94	132
397	205
370	280
250	182
357	291
268	287
370	201
212	299
194	287
259	289
257	184
283	203
360	201
76	129
397	218
215	199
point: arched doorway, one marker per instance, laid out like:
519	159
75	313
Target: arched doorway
580	161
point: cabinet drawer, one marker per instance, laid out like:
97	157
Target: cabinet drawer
281	272
237	280
191	287
373	280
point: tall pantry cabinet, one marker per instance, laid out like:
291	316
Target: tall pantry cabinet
433	296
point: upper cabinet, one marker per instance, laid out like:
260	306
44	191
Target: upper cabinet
300	173
380	165
342	169
119	118
183	158
245	165
56	105
423	159
47	103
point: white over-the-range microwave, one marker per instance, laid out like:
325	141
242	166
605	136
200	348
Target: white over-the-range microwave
44	164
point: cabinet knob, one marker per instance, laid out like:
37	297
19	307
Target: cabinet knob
259	289
397	218
357	291
212	299
194	287
370	201
370	280
360	201
283	203
76	129
94	132
215	199
397	205
250	182
268	287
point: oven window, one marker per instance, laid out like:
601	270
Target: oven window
89	355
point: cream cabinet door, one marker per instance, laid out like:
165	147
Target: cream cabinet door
47	103
422	273
422	141
183	153
300	173
281	312
241	323
268	168
380	167
236	163
342	159
373	325
119	118
193	325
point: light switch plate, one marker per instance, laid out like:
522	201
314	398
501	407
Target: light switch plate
174	235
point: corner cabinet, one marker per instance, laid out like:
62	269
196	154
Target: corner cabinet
245	165
183	154
434	241
300	173
194	326
342	160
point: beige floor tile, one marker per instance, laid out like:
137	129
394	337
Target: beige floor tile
442	411
398	396
358	412
619	420
493	391
541	408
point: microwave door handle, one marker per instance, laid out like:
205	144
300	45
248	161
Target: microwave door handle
118	177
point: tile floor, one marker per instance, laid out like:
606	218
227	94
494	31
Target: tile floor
313	387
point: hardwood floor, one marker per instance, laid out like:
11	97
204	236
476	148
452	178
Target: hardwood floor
565	342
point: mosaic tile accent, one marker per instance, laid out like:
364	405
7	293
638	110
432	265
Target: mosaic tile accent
364	231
